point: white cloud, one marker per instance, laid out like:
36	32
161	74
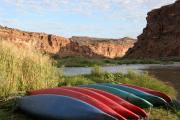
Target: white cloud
119	10
89	6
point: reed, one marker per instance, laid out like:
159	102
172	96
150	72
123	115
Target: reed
24	69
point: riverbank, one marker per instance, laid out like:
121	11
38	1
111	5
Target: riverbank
29	70
168	73
90	62
98	76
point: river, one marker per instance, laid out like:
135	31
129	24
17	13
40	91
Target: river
169	73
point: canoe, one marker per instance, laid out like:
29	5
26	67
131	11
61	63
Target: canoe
116	107
137	110
155	100
80	96
56	107
122	94
154	92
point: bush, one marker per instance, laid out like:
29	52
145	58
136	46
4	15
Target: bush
24	69
75	81
97	70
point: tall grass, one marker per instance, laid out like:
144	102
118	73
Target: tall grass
24	69
74	81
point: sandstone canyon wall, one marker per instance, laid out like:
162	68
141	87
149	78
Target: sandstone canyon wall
109	48
75	46
161	37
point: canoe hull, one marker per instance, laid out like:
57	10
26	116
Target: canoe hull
124	103
58	107
122	94
116	107
155	100
154	92
80	96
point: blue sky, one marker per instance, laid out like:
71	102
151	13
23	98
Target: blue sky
97	18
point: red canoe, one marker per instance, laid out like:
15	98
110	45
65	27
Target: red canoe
120	101
115	106
153	92
80	96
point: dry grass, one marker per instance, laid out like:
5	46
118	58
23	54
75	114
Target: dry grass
24	69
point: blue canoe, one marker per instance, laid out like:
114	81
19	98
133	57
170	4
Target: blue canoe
122	94
56	107
155	100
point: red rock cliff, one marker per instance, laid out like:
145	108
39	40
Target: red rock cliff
75	46
161	37
98	47
41	41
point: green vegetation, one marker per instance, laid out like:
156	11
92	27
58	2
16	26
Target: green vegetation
90	62
77	62
162	114
99	76
23	70
174	59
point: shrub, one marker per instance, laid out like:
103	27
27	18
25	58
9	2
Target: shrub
97	70
24	69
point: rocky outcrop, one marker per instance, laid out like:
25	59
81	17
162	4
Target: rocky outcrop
41	41
75	46
110	48
161	37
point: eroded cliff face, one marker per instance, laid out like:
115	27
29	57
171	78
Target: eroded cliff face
161	37
75	46
41	41
100	47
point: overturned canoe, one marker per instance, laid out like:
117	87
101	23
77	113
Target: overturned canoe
154	92
58	107
80	96
155	100
122	94
137	110
115	106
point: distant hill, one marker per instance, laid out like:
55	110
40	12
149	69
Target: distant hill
74	46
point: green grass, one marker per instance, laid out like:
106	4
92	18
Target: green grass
162	114
90	62
24	69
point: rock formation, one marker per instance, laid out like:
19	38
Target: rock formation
110	48
75	46
161	37
41	41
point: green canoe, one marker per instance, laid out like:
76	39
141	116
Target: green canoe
125	95
155	100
